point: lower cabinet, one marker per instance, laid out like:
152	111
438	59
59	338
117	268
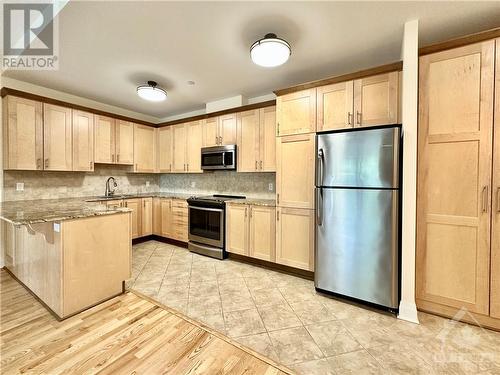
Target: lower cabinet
135	205
157	216
147	216
295	237
174	219
250	231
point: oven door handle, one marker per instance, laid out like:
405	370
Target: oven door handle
207	209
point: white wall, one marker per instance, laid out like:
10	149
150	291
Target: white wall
407	307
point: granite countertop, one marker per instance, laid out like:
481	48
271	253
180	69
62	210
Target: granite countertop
255	202
140	195
47	210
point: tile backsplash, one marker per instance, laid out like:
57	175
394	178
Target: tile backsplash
47	185
254	185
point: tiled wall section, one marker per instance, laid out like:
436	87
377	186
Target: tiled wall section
254	185
46	185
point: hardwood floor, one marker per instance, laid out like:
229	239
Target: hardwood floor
127	334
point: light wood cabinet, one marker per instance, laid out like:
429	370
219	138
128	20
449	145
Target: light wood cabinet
166	217
135	205
194	143
295	171
376	100
124	142
495	225
104	139
144	149
250	230
57	138
256	131
157	216
179	220
454	179
179	136
219	130
23	133
165	149
83	141
147	216
335	106
295	237
296	113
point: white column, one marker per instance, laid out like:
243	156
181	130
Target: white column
407	306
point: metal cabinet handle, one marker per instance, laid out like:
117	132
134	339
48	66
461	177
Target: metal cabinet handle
113	158
90	165
278	125
246	211
255	164
358	117
46	165
278	198
170	167
484	199
38	163
187	167
117	158
278	215
498	199
349	119
261	164
220	140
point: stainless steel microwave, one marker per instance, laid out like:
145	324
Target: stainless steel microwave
218	157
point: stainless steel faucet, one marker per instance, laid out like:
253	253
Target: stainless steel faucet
110	191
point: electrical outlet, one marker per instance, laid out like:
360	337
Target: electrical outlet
147	183
193	184
271	186
20	186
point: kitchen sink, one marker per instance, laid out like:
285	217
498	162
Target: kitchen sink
106	197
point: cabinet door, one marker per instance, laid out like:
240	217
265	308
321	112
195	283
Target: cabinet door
211	132
248	141
166	217
262	233
165	149
454	177
194	142
104	139
57	138
83	141
295	171
295	238
267	141
156	216
495	225
23	133
376	100
144	148
147	216
179	220
296	113
124	141
179	133
135	205
227	129
335	106
237	228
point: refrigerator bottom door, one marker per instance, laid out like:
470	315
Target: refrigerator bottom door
357	244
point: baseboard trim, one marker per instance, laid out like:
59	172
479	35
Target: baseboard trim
155	237
408	312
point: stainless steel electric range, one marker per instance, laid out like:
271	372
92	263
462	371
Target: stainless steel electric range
207	223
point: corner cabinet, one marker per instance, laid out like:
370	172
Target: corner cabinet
23	133
296	113
457	219
144	149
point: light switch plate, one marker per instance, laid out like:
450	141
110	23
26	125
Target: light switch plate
193	184
57	227
147	183
20	186
271	186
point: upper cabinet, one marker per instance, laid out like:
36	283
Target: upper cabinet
83	141
194	142
165	144
57	139
179	137
219	130
23	133
335	106
104	145
296	113
180	148
124	142
376	100
144	149
256	140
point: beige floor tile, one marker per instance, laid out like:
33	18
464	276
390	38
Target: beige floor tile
243	323
312	311
278	317
342	310
359	362
374	337
294	345
204	304
261	343
316	367
332	338
212	320
256	283
179	305
173	291
200	289
297	293
267	297
241	300
399	358
235	285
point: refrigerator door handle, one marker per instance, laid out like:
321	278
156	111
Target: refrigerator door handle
321	166
319	207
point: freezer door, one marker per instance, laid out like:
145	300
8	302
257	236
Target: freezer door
361	158
357	244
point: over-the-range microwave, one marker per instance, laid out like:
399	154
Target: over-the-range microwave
218	157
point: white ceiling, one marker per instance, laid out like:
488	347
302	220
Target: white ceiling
108	48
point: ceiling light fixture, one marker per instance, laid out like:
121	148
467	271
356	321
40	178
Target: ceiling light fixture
270	51
151	92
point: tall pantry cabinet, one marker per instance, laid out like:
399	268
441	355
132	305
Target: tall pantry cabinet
458	200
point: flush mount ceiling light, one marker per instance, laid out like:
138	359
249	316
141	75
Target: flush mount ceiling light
270	51
152	92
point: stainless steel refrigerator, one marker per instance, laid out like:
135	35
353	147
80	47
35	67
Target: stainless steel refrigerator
357	214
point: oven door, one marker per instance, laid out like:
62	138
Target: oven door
206	225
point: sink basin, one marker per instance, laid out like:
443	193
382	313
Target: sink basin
106	197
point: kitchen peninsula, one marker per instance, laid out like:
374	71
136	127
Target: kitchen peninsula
70	253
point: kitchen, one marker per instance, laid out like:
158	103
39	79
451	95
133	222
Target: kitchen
278	225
